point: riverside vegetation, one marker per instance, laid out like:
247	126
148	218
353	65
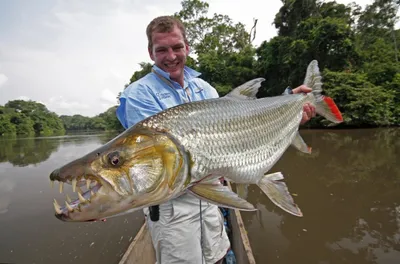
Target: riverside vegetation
356	49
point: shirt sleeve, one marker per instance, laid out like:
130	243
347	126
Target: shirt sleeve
137	102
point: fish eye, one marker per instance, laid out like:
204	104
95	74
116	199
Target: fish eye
114	158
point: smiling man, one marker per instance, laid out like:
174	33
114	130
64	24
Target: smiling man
185	229
177	233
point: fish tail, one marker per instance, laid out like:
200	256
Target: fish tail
324	105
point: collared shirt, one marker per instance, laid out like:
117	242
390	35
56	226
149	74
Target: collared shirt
152	94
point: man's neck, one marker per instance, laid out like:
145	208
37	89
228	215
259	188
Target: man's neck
180	81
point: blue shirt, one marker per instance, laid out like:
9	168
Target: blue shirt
150	95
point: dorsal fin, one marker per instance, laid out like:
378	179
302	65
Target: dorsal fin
246	91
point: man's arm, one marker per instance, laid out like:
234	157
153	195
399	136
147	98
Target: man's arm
136	103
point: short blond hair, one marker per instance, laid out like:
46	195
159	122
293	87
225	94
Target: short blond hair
164	24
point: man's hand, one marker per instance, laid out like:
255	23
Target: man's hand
308	109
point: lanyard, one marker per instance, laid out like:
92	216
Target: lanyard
169	83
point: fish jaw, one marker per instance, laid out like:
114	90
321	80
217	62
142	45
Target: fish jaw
134	170
108	192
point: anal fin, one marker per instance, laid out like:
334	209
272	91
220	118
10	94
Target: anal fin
298	143
220	195
242	190
278	193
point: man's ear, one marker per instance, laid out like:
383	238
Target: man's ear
187	49
150	50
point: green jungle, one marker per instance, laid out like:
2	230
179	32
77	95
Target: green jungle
356	47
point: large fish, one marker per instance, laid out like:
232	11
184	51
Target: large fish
187	148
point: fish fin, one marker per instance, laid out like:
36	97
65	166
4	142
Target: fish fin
220	195
298	143
324	106
287	91
278	193
247	90
241	190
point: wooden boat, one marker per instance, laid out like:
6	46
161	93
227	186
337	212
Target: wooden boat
141	250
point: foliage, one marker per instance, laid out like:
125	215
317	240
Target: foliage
145	69
104	121
361	101
357	51
19	117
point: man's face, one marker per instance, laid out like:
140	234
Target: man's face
169	53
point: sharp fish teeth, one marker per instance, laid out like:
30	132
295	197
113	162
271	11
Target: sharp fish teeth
68	198
61	187
88	183
91	193
69	207
51	184
57	207
81	198
74	181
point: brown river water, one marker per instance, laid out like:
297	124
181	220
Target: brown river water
348	190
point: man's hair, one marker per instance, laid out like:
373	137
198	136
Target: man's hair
164	24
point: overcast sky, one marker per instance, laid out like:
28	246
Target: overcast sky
76	55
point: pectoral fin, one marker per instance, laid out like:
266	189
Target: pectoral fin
298	143
278	193
220	195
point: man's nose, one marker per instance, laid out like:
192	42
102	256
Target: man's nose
171	54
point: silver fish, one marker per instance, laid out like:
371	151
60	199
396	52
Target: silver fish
187	148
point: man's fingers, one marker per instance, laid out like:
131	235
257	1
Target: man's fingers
313	113
302	89
304	119
308	113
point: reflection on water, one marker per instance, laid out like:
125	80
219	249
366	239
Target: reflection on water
29	231
349	192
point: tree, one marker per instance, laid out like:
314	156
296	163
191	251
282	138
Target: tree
292	13
225	55
145	69
323	34
29	117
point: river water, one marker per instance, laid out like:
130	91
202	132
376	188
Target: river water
348	190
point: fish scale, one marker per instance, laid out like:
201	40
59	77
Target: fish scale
229	132
187	147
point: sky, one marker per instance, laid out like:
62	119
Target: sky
75	56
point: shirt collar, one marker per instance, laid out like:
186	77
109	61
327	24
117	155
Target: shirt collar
188	73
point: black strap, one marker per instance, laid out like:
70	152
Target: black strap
154	213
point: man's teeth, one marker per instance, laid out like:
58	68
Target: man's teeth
171	65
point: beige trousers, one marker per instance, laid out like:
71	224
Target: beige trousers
178	236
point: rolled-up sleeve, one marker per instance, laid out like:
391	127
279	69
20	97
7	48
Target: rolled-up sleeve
137	102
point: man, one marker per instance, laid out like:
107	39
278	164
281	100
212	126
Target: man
187	230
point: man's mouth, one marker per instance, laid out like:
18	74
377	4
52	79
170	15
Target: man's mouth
171	66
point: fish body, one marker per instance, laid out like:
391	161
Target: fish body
187	148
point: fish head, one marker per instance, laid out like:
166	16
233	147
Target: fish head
135	170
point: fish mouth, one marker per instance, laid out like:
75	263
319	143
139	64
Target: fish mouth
86	187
